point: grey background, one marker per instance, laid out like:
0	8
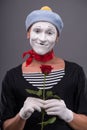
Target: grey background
72	45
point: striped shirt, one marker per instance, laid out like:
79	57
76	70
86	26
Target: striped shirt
38	79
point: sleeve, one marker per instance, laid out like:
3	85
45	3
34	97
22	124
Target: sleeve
7	103
81	100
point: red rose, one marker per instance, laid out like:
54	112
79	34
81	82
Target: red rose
46	69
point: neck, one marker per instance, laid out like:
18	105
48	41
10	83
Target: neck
47	62
36	58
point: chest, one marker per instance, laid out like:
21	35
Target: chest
56	84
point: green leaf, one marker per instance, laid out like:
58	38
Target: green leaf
49	121
56	96
38	93
49	94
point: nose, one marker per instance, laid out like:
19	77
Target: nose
42	37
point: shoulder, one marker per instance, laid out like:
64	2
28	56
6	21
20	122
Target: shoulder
76	72
73	65
74	68
14	71
11	76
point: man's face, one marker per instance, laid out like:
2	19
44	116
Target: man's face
42	37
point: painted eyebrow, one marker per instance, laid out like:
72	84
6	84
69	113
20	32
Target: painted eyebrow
51	27
37	27
48	26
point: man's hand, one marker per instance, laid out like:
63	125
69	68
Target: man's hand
30	105
58	108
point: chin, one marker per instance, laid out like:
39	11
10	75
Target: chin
41	53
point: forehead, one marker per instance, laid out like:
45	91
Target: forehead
43	25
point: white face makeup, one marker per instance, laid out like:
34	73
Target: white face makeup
42	37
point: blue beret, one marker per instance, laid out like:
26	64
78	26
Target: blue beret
44	15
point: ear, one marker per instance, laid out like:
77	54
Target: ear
57	39
28	35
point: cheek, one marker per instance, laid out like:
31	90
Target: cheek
33	35
52	38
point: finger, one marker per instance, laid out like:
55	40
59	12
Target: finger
49	105
37	108
39	100
53	100
51	113
32	99
26	100
39	104
53	109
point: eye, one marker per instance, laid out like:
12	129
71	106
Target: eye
37	30
50	32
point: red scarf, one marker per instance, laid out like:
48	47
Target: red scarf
34	55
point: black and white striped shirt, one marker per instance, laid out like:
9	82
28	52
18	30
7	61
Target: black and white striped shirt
37	79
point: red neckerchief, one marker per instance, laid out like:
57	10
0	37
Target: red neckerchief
34	55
